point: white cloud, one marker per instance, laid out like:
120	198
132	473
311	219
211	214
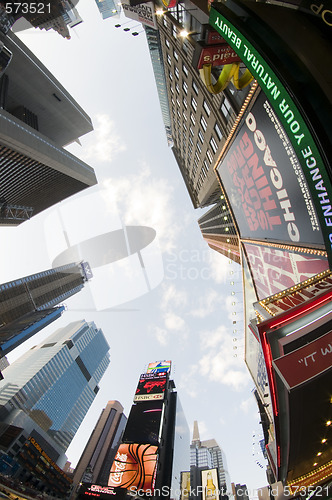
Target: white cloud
219	364
161	336
144	199
248	405
174	322
208	303
173	297
224	270
188	382
103	144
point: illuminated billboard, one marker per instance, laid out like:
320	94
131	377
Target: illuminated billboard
275	269
316	288
210	484
265	184
284	51
159	366
134	466
143	424
151	386
185	485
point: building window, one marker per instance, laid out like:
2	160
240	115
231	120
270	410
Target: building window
194	103
205	167
218	131
192	118
177	88
195	87
178	102
199	147
185	102
169	60
226	108
167	43
203	122
213	144
201	136
165	21
191	131
170	75
185	70
174	32
209	155
185	117
176	55
185	87
176	71
206	107
172	90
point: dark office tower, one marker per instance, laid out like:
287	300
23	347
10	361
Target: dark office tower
206	457
96	460
155	443
240	491
37	118
200	121
29	304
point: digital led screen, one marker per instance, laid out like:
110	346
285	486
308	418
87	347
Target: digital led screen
265	184
151	386
274	269
134	466
143	424
159	366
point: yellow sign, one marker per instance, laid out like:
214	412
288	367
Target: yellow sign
230	72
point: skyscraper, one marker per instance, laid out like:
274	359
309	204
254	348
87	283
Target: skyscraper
48	391
96	460
207	455
28	304
37	118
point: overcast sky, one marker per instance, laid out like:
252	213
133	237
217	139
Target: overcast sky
181	308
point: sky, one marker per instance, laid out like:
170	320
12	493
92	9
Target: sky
181	307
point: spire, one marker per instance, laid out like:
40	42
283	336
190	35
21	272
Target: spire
196	437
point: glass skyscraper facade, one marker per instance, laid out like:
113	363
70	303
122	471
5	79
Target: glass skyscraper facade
56	382
28	304
208	455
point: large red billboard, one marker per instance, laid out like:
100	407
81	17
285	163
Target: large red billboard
151	386
265	184
134	466
305	363
275	269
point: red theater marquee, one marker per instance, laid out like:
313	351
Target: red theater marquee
265	184
305	363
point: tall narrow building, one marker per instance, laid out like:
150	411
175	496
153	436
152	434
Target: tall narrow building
30	303
207	455
95	462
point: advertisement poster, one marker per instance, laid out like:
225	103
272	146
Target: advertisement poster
151	386
210	484
265	184
134	466
274	269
